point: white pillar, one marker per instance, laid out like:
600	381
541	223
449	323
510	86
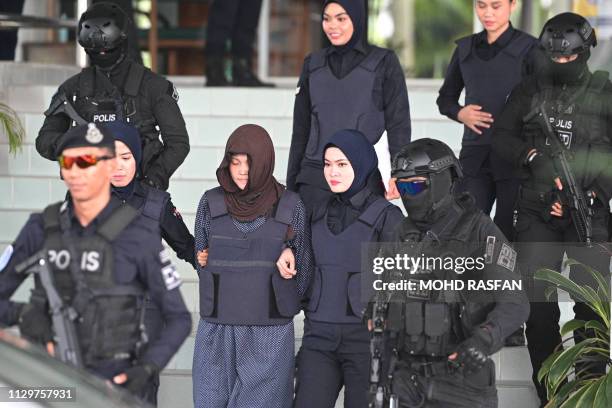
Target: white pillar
263	41
81	56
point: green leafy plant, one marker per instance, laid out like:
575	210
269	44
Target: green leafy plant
12	126
569	385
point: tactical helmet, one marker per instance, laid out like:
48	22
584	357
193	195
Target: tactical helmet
102	27
423	157
567	34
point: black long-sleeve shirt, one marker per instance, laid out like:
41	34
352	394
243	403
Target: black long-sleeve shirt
394	102
448	98
173	228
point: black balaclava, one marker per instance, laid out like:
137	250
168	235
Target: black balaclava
430	205
110	59
571	72
355	9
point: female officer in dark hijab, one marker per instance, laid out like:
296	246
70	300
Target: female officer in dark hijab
348	85
335	348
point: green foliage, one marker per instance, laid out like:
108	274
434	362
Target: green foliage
567	387
9	121
439	23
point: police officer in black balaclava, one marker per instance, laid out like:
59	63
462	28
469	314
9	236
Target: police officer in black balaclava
438	343
117	88
579	108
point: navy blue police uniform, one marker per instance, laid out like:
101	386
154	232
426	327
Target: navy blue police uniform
136	260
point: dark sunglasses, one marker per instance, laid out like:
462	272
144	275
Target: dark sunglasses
84	161
412	187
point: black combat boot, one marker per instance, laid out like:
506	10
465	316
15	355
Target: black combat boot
242	75
215	72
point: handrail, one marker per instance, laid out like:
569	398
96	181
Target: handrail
13	21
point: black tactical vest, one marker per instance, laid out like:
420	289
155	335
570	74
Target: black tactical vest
110	315
241	284
342	103
336	290
155	203
107	103
488	83
434	322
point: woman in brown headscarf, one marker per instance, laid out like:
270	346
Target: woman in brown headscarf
248	225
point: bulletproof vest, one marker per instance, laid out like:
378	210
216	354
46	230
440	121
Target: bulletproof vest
488	83
433	322
337	295
343	103
110	314
155	203
99	100
579	120
241	284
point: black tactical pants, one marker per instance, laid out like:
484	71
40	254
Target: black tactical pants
541	244
321	375
488	187
235	21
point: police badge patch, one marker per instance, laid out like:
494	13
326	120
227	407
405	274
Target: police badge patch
93	135
507	257
172	91
172	279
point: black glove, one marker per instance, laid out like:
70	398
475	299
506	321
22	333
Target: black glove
472	354
543	165
139	376
35	323
12	315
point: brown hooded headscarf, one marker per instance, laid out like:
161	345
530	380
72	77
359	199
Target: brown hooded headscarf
262	191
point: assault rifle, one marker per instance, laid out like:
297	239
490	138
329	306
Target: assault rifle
580	211
62	317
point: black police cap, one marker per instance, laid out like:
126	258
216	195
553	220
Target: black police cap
89	135
567	34
102	27
423	157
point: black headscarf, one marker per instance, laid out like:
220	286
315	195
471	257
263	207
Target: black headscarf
344	208
355	10
360	152
131	138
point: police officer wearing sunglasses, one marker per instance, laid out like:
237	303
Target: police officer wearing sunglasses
116	88
440	340
104	258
